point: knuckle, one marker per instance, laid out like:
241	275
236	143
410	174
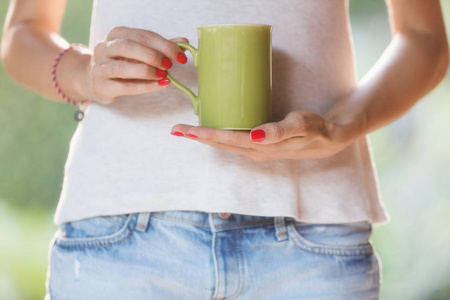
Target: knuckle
101	71
99	49
123	46
296	116
297	121
278	132
146	37
115	31
96	69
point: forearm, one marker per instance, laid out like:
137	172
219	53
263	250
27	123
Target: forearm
28	52
411	66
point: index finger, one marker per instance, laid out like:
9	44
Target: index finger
150	39
237	138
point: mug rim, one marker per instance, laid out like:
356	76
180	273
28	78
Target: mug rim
236	25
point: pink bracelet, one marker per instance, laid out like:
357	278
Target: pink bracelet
79	114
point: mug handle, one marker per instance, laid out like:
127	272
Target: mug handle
176	83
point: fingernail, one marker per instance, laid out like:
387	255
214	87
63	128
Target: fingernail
192	135
181	58
166	63
161	73
177	133
258	135
164	82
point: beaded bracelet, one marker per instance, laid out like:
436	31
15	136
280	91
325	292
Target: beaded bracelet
79	114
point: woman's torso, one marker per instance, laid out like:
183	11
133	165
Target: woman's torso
123	158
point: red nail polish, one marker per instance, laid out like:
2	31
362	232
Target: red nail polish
181	58
161	73
164	82
258	135
166	63
177	133
192	135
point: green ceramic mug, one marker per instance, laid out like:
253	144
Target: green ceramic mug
234	76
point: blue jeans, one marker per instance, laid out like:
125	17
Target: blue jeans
198	255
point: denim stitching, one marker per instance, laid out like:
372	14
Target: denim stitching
197	223
232	296
379	270
243	264
246	224
223	226
97	242
324	250
241	283
216	262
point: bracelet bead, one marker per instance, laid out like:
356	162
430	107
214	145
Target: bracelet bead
79	114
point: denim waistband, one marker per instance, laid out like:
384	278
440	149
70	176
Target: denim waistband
215	221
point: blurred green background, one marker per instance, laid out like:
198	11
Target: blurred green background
412	157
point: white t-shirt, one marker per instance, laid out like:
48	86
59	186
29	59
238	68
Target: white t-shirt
122	158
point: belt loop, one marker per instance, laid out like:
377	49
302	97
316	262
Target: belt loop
280	229
143	221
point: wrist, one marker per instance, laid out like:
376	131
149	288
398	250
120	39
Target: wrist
348	121
72	73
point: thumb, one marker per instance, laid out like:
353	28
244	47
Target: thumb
270	133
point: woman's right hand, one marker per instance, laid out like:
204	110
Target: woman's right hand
130	61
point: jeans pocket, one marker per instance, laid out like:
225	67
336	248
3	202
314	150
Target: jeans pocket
346	239
99	231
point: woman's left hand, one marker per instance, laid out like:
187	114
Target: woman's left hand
301	135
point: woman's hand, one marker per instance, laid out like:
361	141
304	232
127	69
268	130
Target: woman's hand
301	135
130	61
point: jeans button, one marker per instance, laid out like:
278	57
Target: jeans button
224	215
